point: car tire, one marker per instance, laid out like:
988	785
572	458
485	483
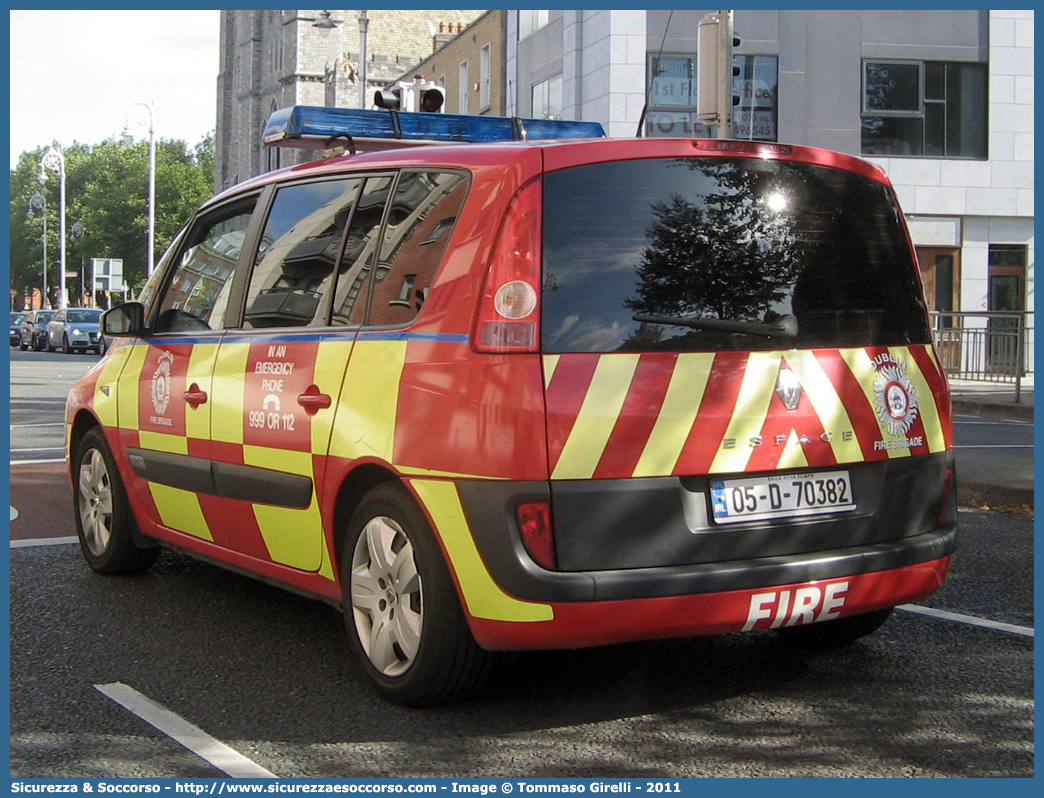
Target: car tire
104	520
21	343
47	343
401	608
38	344
838	632
65	344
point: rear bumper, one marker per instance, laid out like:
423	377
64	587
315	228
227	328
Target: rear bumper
683	576
596	623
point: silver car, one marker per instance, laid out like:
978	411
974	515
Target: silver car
74	330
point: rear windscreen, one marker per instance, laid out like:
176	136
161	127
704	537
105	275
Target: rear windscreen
708	254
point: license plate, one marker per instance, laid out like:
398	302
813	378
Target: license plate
781	496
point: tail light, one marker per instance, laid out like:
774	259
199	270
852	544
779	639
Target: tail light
509	313
534	522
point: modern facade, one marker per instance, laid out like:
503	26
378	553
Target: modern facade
943	100
274	59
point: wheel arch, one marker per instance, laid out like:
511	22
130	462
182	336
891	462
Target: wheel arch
350	494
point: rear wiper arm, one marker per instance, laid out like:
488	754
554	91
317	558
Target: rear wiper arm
786	327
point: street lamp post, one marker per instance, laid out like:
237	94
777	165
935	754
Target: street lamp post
148	106
54	159
38	203
75	232
364	24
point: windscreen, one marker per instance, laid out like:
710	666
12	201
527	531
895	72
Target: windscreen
704	254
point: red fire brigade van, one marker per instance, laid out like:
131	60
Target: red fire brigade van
551	391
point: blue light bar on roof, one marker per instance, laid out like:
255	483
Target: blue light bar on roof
309	127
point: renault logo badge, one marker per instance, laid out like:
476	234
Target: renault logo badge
788	388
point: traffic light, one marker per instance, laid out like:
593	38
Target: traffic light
736	69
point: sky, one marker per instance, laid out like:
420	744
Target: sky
79	75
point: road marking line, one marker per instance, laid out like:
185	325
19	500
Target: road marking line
971	620
44	424
38	462
221	756
25	544
41	449
995	446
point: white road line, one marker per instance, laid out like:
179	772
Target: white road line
25	544
971	620
995	446
221	756
38	462
45	424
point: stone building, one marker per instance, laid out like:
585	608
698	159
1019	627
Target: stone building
273	59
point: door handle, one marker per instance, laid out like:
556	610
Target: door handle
313	401
194	396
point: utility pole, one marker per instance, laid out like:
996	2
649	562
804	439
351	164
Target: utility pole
716	39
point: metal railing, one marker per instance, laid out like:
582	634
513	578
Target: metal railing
986	346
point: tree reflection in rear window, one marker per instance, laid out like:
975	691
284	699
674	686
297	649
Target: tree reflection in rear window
818	254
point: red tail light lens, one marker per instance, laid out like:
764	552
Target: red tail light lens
509	311
534	522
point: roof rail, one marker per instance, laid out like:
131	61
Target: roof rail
317	128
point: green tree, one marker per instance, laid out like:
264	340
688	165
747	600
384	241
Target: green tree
107	193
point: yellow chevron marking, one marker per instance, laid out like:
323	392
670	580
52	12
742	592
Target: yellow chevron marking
550	364
229	385
179	509
106	405
827	404
759	382
293	537
330	360
200	371
927	408
163	442
862	368
365	418
127	390
598	415
484	599
793	455
677	414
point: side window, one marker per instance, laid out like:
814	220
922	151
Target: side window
360	246
418	228
297	254
196	297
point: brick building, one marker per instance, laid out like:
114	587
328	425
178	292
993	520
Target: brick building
470	67
273	59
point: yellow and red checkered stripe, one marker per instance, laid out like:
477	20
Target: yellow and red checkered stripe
621	415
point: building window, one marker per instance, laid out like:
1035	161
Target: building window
672	97
924	108
484	68
531	21
462	98
547	99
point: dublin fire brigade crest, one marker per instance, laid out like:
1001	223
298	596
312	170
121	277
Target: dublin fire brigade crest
895	398
161	383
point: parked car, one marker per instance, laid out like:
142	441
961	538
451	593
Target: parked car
16	327
74	330
33	333
532	394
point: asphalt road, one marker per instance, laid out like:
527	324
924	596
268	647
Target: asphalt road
270	673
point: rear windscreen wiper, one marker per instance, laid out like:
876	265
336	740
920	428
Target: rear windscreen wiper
786	327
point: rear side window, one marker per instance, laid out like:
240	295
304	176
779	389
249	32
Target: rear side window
297	253
421	215
704	254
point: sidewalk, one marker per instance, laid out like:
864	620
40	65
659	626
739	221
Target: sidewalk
999	479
